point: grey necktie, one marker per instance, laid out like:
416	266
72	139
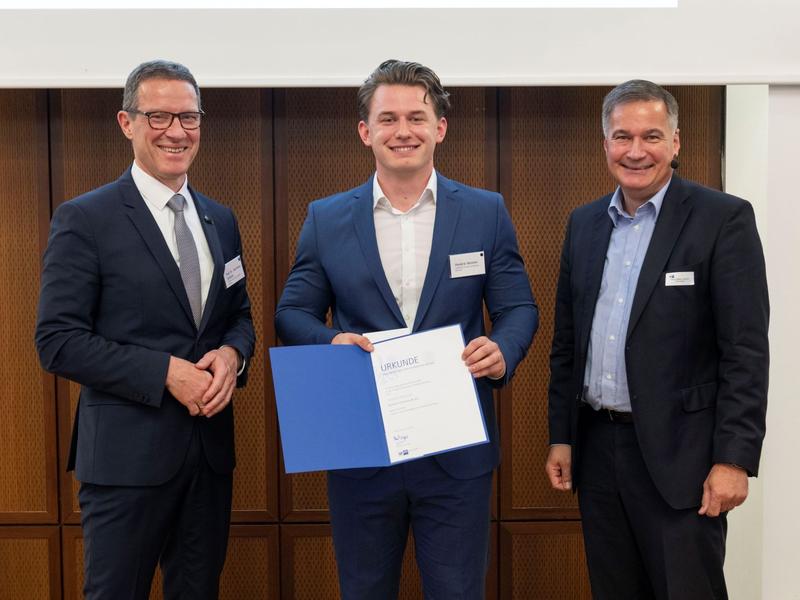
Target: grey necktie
187	255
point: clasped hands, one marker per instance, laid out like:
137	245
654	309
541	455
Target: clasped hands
204	387
482	356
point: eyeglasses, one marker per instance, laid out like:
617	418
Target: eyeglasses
160	119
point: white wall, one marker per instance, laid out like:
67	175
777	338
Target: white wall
781	473
746	173
700	41
762	133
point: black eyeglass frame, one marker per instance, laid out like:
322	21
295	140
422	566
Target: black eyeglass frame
198	113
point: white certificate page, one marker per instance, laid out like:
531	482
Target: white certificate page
427	395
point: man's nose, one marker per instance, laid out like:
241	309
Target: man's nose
402	128
636	149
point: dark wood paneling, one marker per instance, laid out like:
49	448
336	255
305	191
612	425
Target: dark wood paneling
30	563
542	561
28	476
542	147
234	166
87	150
552	160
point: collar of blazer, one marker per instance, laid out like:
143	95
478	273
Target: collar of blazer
154	240
671	219
447	211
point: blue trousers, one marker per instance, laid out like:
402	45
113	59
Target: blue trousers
449	519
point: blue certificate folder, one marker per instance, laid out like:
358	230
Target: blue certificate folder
328	408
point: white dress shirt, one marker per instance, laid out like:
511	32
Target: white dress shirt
156	195
404	244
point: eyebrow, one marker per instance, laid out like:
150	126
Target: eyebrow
391	113
648	132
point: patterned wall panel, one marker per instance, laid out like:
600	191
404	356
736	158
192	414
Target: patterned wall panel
28	480
318	152
229	168
542	561
29	563
552	160
87	150
251	569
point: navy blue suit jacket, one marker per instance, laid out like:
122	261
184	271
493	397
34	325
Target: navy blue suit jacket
338	266
112	310
697	356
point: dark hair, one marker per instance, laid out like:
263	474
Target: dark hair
399	72
637	90
155	69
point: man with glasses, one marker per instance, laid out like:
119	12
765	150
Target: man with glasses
143	302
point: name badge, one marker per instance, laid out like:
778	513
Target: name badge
234	271
467	264
679	278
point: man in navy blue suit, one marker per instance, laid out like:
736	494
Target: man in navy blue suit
379	257
658	386
143	302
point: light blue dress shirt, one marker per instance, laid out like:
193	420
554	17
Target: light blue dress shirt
605	380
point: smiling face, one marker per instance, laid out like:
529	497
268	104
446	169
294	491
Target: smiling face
639	145
402	129
164	154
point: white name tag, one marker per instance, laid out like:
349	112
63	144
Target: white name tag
234	271
679	278
467	264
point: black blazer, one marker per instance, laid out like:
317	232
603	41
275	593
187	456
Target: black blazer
112	310
697	356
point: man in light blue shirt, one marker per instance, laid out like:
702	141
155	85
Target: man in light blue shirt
606	383
658	369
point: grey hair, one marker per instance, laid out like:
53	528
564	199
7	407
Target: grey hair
155	69
638	90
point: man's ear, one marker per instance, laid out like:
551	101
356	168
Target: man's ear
363	133
124	120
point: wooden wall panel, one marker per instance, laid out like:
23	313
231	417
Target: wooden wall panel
28	490
30	565
89	150
542	147
235	149
542	561
552	160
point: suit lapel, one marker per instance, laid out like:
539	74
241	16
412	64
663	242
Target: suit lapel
364	224
143	220
212	236
671	218
595	263
444	228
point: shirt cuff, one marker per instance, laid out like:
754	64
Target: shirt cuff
241	358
